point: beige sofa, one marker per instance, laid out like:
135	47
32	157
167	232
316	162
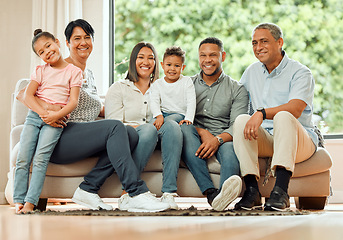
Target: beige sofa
310	184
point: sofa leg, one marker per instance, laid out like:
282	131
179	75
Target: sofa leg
307	203
41	206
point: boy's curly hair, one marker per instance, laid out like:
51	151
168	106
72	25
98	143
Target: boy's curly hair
175	51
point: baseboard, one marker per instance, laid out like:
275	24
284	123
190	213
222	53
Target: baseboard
3	200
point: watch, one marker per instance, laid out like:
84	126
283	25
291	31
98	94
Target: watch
263	111
220	140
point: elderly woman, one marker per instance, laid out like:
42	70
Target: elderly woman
83	137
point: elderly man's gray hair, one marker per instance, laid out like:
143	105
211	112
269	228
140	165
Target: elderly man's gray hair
274	29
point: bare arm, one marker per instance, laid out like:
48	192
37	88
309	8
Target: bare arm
71	105
30	100
47	106
294	106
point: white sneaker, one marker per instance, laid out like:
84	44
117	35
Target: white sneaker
123	202
90	200
169	198
144	202
231	189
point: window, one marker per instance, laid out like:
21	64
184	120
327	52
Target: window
312	32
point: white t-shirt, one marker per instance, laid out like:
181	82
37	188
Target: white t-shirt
177	97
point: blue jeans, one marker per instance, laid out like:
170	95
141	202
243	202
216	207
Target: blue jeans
170	137
147	141
198	167
37	141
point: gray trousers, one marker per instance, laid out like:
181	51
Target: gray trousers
110	140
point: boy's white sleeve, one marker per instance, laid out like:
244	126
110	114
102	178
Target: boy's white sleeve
190	100
155	100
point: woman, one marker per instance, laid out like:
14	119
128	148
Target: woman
83	137
128	101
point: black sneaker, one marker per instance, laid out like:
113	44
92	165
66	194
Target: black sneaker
251	200
211	193
278	201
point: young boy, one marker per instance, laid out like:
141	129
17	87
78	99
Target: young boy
173	97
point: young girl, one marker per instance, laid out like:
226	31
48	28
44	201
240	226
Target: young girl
56	82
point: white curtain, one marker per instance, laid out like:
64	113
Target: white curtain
53	16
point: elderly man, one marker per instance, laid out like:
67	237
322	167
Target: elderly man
281	92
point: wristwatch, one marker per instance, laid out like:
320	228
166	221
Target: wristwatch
220	140
263	111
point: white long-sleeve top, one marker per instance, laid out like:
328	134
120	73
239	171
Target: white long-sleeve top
177	97
125	102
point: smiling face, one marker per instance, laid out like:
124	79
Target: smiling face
267	49
80	44
172	67
210	60
145	63
48	49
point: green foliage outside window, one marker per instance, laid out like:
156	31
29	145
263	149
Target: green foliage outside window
313	33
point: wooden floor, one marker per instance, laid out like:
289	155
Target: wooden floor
327	224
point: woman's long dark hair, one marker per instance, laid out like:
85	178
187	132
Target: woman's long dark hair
132	74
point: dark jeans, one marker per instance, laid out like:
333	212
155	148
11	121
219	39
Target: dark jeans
225	155
108	139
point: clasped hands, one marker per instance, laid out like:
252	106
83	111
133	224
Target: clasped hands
52	119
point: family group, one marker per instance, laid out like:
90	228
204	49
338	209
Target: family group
268	113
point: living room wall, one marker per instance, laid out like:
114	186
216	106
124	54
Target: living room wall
15	61
15	52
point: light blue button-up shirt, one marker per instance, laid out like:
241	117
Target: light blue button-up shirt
289	80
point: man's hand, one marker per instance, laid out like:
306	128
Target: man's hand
209	144
159	122
251	128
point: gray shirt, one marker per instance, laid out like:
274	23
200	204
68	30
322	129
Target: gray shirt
218	105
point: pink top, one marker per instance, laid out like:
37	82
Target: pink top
54	84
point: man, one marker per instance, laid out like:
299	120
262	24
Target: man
281	91
220	99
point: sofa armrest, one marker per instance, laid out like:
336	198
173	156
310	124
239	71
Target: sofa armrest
19	110
15	135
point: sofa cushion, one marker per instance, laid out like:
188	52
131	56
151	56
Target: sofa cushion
321	161
318	163
155	164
